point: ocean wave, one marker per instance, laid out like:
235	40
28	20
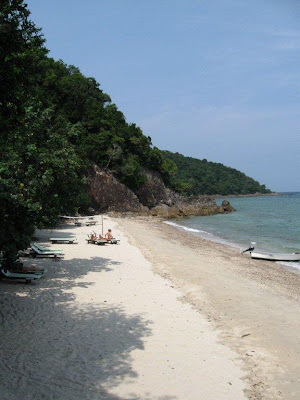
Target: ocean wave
186	228
208	236
295	265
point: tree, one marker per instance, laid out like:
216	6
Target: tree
194	177
39	169
21	49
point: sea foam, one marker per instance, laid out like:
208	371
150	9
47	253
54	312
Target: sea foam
186	228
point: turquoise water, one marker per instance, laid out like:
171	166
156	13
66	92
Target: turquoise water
273	222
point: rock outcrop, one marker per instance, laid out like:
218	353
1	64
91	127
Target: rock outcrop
227	207
153	191
152	198
184	207
108	194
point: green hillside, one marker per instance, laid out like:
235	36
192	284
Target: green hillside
55	123
195	177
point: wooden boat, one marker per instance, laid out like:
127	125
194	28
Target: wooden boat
275	256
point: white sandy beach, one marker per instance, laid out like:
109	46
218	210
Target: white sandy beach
253	305
162	315
102	325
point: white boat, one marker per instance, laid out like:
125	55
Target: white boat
275	256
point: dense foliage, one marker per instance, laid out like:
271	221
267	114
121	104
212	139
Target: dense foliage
195	177
55	123
40	172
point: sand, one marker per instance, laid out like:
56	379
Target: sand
253	305
158	316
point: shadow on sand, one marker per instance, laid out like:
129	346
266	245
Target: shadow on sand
52	349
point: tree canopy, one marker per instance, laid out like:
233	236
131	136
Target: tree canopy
39	168
55	123
194	177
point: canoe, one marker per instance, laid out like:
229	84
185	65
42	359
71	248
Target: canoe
276	256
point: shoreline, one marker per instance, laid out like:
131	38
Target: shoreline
254	305
162	315
220	196
102	325
235	246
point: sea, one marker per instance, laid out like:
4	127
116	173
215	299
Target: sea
273	222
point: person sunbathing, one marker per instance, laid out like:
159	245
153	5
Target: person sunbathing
32	268
109	235
93	236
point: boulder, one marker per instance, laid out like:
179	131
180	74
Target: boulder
227	207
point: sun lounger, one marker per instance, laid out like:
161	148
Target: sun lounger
35	272
64	240
19	267
25	271
113	241
28	277
37	252
44	249
90	222
31	269
99	242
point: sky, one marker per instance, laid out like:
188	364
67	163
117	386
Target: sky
214	79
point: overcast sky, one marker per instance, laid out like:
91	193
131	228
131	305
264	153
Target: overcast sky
214	79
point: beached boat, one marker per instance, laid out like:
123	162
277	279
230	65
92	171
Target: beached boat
275	256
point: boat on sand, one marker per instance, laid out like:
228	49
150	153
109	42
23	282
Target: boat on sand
275	256
271	256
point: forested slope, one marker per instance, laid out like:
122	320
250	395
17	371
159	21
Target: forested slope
54	124
194	177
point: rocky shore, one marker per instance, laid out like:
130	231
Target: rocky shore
108	194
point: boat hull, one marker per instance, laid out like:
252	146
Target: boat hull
275	257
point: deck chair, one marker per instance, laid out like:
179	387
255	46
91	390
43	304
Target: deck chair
64	240
28	277
99	242
35	271
44	249
90	222
19	267
113	241
46	253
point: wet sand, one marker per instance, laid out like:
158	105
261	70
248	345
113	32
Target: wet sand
252	305
101	324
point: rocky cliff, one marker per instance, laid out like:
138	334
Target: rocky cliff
152	198
108	194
